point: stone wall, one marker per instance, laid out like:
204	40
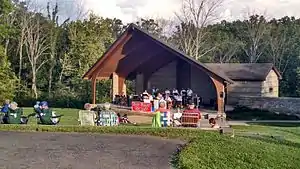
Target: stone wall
274	104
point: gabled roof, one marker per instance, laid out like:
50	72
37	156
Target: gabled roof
178	53
245	71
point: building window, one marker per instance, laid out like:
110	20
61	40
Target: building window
271	89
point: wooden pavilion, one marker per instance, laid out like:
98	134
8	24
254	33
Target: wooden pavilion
137	55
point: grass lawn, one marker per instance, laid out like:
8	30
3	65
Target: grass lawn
244	113
70	116
268	146
253	147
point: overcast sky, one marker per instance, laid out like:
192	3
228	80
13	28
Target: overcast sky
130	10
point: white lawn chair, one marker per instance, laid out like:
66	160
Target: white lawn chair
87	118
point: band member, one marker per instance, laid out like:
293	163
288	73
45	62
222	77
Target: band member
184	97
175	91
183	92
167	92
154	90
178	100
169	101
189	92
146	97
197	101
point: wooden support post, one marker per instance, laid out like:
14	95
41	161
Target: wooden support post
220	96
122	86
94	83
115	85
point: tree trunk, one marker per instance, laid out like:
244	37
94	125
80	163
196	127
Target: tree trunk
34	88
6	47
50	79
20	64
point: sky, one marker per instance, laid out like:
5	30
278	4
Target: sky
131	10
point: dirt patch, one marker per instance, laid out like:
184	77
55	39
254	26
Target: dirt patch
132	113
140	119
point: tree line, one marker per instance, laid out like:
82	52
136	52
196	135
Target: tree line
43	56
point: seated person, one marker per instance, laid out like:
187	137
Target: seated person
162	107
169	101
175	91
178	100
107	117
167	92
47	116
88	106
154	90
177	118
189	92
5	107
213	123
191	109
146	97
37	107
183	92
193	113
14	115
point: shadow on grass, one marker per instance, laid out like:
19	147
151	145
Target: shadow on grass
276	124
290	132
245	113
274	140
174	162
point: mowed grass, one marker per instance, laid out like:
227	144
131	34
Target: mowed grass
70	116
253	147
239	153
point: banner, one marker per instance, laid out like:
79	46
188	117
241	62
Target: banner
141	107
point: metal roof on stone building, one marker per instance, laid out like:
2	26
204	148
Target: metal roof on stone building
244	71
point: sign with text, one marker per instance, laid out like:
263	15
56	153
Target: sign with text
141	107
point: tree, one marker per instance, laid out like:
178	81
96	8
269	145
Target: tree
36	45
54	29
254	36
227	45
283	42
151	26
7	78
6	22
192	34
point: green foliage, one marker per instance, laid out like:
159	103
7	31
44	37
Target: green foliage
74	46
7	78
88	41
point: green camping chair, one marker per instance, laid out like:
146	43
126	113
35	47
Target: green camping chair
46	117
15	117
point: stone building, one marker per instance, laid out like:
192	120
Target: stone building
252	79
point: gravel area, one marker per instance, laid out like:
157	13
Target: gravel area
35	150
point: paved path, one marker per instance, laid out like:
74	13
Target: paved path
79	151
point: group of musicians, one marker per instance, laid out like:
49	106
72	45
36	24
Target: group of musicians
173	98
